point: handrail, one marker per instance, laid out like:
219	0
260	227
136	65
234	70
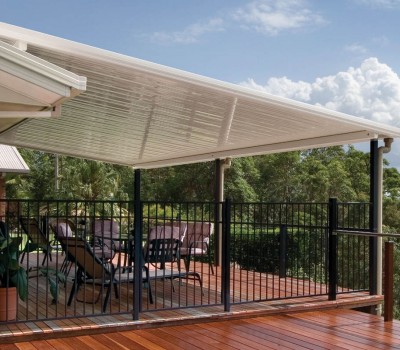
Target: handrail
366	233
389	261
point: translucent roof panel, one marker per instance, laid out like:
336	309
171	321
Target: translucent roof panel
146	115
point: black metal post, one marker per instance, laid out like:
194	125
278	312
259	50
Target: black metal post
282	250
332	249
373	218
217	213
226	238
137	222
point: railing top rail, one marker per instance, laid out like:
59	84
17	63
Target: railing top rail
366	233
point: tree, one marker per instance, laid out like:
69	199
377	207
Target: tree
39	184
88	180
278	177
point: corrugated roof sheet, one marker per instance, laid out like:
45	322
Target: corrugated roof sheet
11	161
146	115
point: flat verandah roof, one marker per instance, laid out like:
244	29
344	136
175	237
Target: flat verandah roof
146	115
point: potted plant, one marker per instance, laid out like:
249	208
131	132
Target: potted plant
13	278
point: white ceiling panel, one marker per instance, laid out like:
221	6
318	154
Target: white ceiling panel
146	115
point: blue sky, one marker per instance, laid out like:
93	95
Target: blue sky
341	54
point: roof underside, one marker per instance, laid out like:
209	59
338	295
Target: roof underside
11	161
31	87
145	115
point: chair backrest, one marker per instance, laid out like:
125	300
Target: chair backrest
176	230
161	251
105	229
105	232
198	232
82	254
32	229
62	228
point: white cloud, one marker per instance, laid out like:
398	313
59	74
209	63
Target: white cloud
388	4
271	17
371	91
356	48
190	34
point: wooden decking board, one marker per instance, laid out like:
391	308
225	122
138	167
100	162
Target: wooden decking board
252	329
201	336
318	333
348	333
310	330
290	334
252	336
146	342
162	317
187	294
375	339
227	333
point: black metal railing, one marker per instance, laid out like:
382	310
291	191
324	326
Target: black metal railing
278	250
188	254
353	255
192	225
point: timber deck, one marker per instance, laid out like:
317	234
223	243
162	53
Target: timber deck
182	306
328	329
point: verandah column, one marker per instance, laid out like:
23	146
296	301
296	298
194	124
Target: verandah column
373	219
137	271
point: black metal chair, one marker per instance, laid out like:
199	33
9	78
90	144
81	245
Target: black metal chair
159	252
64	228
36	239
95	271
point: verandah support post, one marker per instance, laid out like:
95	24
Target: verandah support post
373	219
388	298
226	272
137	224
332	249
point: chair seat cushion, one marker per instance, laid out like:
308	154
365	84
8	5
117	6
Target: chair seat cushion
192	251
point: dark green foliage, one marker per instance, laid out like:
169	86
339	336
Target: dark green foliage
260	252
12	274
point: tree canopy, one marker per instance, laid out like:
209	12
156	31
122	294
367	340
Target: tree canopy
302	176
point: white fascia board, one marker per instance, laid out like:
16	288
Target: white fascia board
325	141
40	72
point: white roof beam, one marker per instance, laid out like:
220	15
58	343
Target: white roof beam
325	141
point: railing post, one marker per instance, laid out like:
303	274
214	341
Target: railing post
388	297
282	250
217	213
373	220
137	271
332	249
226	239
